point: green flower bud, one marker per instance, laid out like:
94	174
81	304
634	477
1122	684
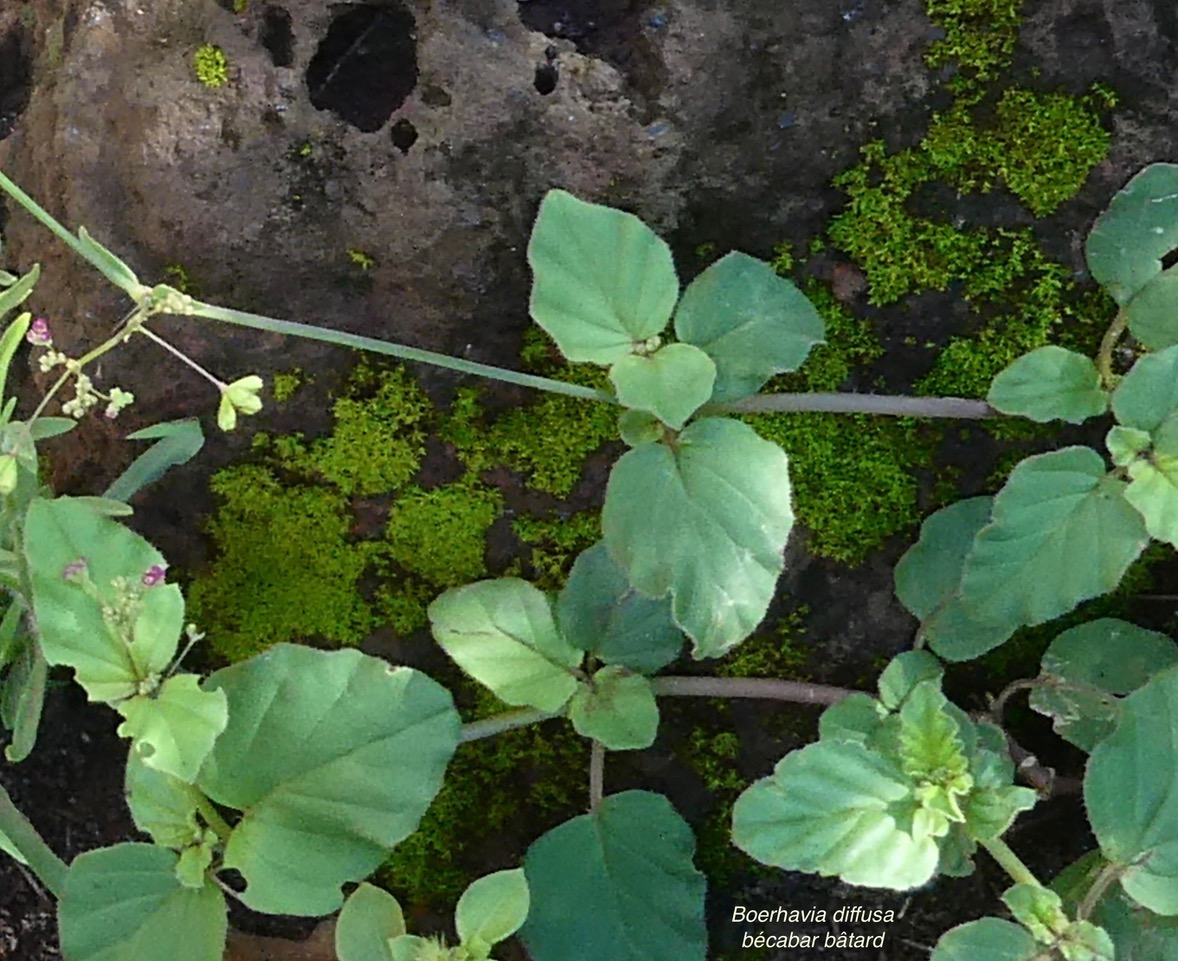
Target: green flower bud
240	396
8	473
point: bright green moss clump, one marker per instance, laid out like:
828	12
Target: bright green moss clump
210	66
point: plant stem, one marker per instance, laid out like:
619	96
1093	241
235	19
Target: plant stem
48	867
1108	875
953	407
216	382
1108	343
358	342
37	211
1010	862
770	689
212	818
596	775
999	705
489	727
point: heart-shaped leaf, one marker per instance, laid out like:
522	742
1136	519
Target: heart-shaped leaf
502	633
988	939
706	521
634	896
333	758
1153	313
1050	383
174	728
672	383
751	322
619	710
604	281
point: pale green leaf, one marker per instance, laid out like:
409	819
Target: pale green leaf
177	442
854	718
1089	664
1131	792
637	427
173	729
1061	532
1153	491
604	281
370	919
333	758
988	939
707	522
117	272
1128	241
1126	444
493	908
903	673
1038	909
599	612
162	805
1152	314
1050	383
618	709
672	383
22	699
11	298
751	322
43	428
503	634
836	808
73	630
411	947
930	738
125	903
1147	396
634	894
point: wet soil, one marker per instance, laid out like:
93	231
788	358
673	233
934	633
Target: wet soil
745	169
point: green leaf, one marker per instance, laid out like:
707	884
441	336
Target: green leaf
112	658
600	613
1126	245
618	709
1153	491
1050	383
178	442
43	428
836	808
905	671
161	805
410	947
705	520
117	272
604	281
1038	909
1131	792
493	908
1147	395
1061	533
502	633
988	939
334	758
10	849
173	729
928	582
105	507
672	383
634	896
930	743
1126	444
1153	313
751	322
22	699
124	903
371	917
637	427
854	718
11	298
1094	661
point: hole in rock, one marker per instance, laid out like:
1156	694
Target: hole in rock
1170	259
16	79
366	65
403	135
277	36
546	77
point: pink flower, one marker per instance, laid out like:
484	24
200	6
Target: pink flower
38	333
153	575
75	570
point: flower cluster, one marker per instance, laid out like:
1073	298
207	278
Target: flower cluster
86	395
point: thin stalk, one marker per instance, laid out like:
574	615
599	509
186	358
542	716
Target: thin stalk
770	689
151	335
1108	343
596	775
213	818
1011	863
489	727
358	342
1108	875
1023	684
48	867
953	407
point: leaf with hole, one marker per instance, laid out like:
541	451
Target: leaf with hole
333	758
635	894
1128	241
125	903
751	322
503	634
600	613
604	281
672	383
173	728
706	521
1089	667
1061	532
1050	383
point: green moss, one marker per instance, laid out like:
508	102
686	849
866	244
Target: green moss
180	279
980	36
555	544
361	259
210	66
441	534
286	383
774	653
378	440
285	568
